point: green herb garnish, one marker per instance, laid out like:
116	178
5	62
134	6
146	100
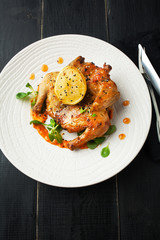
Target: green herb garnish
54	134
92	144
94	115
105	151
111	130
21	95
82	110
52	122
53	128
34	93
95	142
99	140
37	122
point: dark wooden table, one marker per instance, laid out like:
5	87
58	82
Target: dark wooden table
127	206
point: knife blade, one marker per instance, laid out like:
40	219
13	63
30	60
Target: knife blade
146	67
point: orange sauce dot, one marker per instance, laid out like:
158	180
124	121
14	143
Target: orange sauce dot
32	76
44	68
126	103
126	120
60	60
122	136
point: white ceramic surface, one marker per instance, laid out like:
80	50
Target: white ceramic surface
31	154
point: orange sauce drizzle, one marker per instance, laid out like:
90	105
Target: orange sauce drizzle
126	120
126	103
32	76
60	60
44	68
122	136
44	132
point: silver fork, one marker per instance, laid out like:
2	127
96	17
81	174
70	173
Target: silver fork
152	96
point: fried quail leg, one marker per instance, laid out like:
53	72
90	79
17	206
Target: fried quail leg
45	87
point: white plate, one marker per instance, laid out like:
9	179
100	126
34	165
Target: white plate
49	164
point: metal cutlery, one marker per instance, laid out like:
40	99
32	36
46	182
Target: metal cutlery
151	77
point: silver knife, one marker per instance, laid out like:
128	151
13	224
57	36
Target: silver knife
151	77
148	69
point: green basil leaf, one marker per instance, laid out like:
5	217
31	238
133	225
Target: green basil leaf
52	122
92	144
29	86
111	130
36	122
51	136
105	151
94	115
58	136
99	140
59	128
50	125
21	95
82	110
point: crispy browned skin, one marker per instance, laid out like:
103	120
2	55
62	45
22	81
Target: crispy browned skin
101	93
98	82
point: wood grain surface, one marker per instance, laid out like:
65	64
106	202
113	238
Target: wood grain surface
19	26
124	207
130	23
